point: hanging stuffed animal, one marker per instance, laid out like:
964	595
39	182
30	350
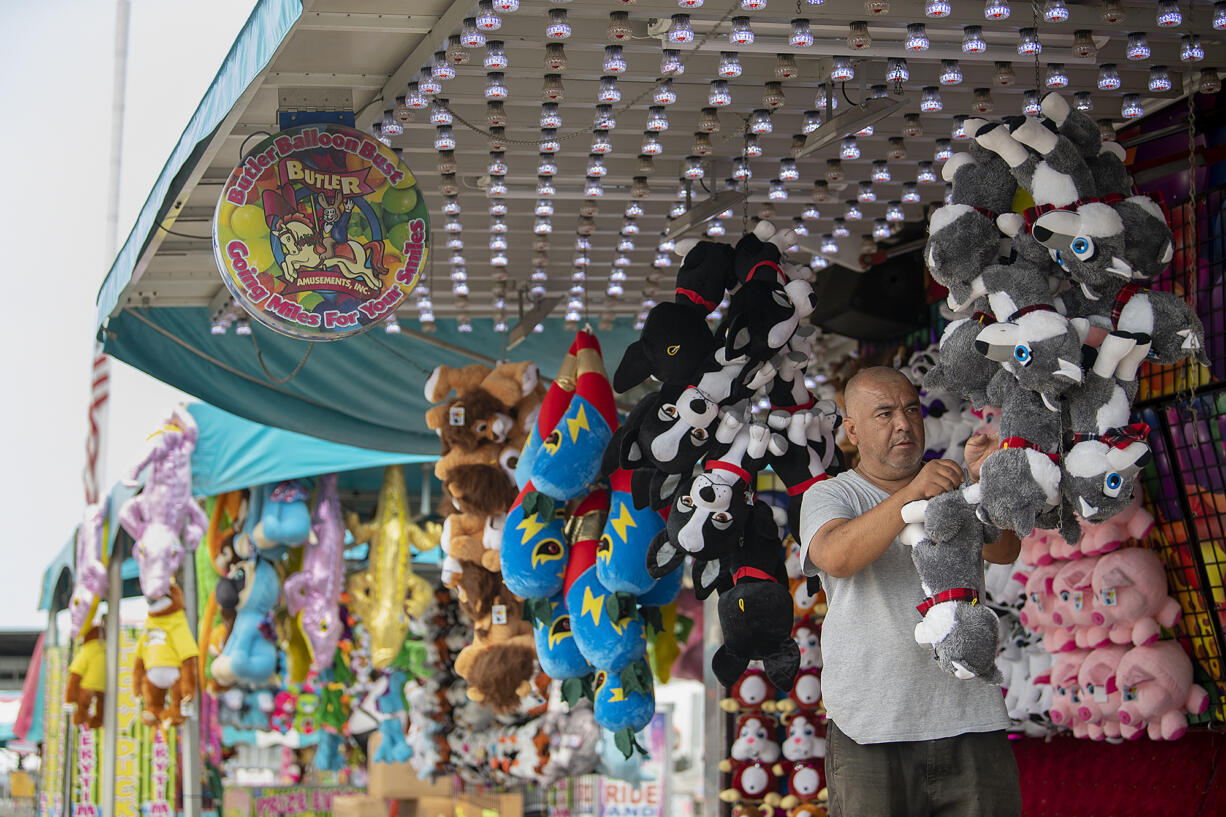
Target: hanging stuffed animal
90	571
85	692
249	656
165	661
313	594
388	591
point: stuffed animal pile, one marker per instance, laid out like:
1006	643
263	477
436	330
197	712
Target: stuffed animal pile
484	418
1056	323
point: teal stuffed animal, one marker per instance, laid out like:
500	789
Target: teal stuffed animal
625	702
621	554
534	551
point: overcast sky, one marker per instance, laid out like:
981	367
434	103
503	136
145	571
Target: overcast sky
57	63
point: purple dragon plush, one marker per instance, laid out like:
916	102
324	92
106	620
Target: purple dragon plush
91	573
312	595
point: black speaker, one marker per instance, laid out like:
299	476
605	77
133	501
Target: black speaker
884	303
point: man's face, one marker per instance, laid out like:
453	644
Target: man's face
886	423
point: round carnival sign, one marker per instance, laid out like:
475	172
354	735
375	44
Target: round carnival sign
321	232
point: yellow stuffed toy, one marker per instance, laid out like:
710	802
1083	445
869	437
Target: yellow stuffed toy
87	680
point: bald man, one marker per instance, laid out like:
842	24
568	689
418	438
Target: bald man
903	736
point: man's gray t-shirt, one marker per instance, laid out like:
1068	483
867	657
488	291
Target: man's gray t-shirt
878	684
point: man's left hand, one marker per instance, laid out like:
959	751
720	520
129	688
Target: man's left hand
976	450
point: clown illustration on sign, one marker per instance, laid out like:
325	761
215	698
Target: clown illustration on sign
321	233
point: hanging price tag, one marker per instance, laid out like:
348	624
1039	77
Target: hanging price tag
456	416
1100	694
498	614
1108	596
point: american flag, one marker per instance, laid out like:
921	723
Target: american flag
100	392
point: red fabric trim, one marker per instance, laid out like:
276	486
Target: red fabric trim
984	318
1026	310
720	465
771	265
1126	293
955	594
800	488
793	409
1111	687
696	298
752	573
1031	214
1022	442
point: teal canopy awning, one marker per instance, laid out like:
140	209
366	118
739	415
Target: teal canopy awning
364	391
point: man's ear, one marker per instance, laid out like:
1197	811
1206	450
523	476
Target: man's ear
849	427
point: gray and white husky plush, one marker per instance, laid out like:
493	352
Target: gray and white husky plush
961	368
1107	452
947	541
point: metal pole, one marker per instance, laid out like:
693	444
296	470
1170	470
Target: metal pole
713	719
110	708
189	731
63	784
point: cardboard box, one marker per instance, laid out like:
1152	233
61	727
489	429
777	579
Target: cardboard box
398	781
359	805
489	805
428	806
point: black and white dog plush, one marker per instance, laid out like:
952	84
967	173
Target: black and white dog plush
707	517
803	451
654	435
947	539
756	612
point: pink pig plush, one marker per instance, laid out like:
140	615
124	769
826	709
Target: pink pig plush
1037	547
1066	691
1100	695
1157	692
1074	604
1134	522
1036	612
1130	590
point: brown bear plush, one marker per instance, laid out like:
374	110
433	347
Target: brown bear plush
87	680
491	405
468	540
165	660
481	480
502	657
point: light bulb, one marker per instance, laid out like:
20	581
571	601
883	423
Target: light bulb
838	230
557	28
881	229
910	195
926	173
453	226
858	37
495	86
1054	11
752	148
1111	12
446	165
441	68
811	122
930	99
497	186
996	9
760	122
740	170
1084	46
1219	15
1169	14
829	245
498	242
1131	108
778	192
544	207
670	63
834	170
497	138
690	4
1159	79
1082	101
866	194
896	70
1055	78
917	38
657	119
555	56
601	143
464	324
428	84
549	141
651	145
444	139
546	166
785	66
799	227
456	54
821	187
753	5
911	125
1190	49
972	40
936	8
772	95
740	33
592	189
877	8
1108	77
451	207
958	131
496	113
677	209
729	65
498	225
811	213
622	261
447	184
680	30
604	119
1209	83
506	6
788	172
414	98
692	168
619	25
841	70
544	186
878	91
486	19
630	226
719	95
893	212
633	208
550	117
664	93
944	151
608	90
881	171
1030	103
1003	74
951	72
614	61
439	113
898	148
1138	46
801	36
708	120
1028	42
849	149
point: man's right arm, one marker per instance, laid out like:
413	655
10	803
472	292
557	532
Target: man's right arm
844	547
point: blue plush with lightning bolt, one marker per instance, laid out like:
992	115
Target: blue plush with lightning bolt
624	703
556	650
568	458
534	550
621	554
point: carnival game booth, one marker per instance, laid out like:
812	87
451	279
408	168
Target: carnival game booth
424	186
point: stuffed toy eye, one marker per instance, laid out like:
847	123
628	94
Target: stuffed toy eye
1089	689
699	435
1021	354
1112	483
1059	690
1034	597
1063	595
667	412
685	503
721	520
1082	247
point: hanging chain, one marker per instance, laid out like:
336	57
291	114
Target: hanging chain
1034	17
1191	255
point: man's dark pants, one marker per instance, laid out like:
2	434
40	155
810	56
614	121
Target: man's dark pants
971	775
